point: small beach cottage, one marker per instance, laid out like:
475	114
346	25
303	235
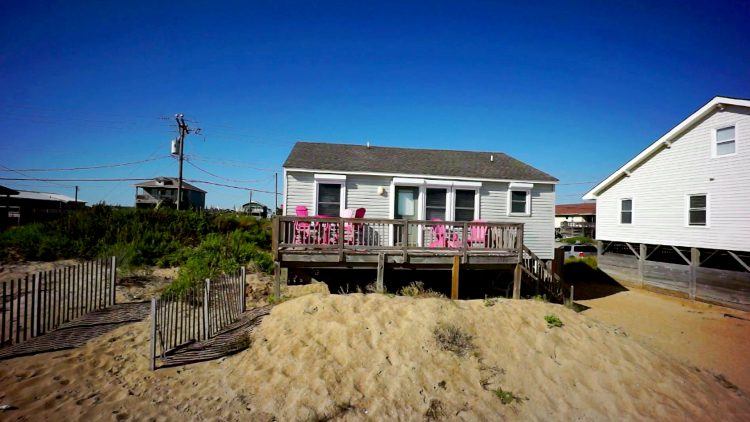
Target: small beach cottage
412	206
676	217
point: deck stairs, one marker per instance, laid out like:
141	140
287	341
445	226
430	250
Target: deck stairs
539	274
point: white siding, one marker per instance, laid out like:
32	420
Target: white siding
361	191
659	185
539	228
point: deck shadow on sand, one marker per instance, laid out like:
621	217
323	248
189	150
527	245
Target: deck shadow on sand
77	332
590	283
232	339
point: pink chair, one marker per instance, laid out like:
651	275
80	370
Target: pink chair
301	228
439	236
477	234
348	227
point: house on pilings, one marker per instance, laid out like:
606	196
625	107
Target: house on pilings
676	218
382	208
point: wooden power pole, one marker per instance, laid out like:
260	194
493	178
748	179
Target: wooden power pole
183	130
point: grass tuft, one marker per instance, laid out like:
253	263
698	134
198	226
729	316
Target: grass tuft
453	339
553	321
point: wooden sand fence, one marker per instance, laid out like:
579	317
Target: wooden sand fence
39	303
195	314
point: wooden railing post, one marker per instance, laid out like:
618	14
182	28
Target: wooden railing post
276	228
405	240
465	242
340	230
35	310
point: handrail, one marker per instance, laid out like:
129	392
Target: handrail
541	273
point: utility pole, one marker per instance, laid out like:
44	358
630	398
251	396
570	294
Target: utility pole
183	130
76	195
275	193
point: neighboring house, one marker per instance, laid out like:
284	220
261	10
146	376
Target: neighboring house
30	206
5	194
575	219
681	208
255	209
162	191
422	184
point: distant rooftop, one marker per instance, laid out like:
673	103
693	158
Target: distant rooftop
585	208
168	183
45	196
428	162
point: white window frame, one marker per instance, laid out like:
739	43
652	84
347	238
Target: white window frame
330	179
519	187
687	210
452	211
714	141
632	212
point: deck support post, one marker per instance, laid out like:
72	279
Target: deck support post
517	281
379	285
277	280
454	276
642	261
695	262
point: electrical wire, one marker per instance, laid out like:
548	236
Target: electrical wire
102	166
133	179
225	178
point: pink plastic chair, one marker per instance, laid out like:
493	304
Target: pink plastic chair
301	228
439	236
477	234
348	227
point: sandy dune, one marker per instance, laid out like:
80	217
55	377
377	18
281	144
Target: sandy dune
376	357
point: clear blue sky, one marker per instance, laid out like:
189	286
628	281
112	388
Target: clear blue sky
574	89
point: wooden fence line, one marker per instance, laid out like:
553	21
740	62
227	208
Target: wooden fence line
195	314
39	303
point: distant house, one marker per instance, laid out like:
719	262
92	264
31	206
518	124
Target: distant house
162	191
575	219
24	207
677	216
255	209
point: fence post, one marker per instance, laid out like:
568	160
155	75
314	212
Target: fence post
152	365
113	278
35	310
242	288
206	309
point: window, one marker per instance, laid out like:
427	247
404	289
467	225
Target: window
519	202
697	207
725	141
435	204
329	199
464	205
626	211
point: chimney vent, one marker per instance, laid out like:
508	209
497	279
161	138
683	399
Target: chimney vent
492	157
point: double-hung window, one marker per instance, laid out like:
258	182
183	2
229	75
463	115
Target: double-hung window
464	205
329	199
697	213
519	202
626	211
724	142
435	204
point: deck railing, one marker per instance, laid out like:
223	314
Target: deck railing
369	234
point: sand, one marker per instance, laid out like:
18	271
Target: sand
696	333
376	357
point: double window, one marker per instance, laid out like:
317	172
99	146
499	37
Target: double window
626	211
724	141
435	204
697	210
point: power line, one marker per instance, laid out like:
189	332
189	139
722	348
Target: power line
229	163
225	178
101	166
131	179
31	178
231	186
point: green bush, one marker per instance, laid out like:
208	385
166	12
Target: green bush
590	260
578	239
553	321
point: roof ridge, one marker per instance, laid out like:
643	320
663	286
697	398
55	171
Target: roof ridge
403	148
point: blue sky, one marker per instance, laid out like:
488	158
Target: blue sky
572	88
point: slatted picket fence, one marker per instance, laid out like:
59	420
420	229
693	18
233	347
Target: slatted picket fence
39	303
195	314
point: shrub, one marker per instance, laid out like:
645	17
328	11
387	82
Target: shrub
451	338
591	261
577	239
507	397
553	321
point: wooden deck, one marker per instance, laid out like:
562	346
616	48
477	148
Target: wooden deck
349	242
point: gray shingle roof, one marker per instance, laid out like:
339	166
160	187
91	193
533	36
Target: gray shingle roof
428	162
